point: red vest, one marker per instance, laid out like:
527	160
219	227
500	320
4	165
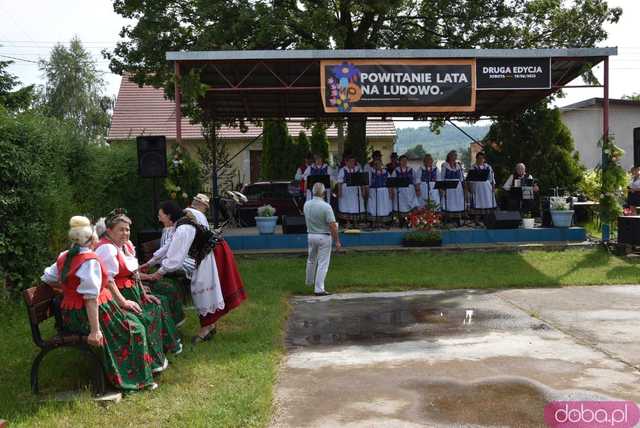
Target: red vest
123	279
71	298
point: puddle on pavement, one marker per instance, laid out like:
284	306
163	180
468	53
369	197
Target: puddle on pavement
370	321
486	403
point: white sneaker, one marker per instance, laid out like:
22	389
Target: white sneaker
152	387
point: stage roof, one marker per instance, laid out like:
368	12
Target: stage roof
286	83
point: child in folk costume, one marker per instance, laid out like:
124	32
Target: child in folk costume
350	198
426	177
216	285
405	198
89	309
118	256
318	167
453	199
483	192
379	205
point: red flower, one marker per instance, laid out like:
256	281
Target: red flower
138	338
147	358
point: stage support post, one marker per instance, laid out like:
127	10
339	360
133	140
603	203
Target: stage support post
605	137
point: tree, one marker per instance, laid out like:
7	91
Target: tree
74	89
278	151
634	97
172	25
540	140
11	98
303	147
319	142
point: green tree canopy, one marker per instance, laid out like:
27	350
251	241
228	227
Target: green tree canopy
11	98
319	142
74	89
540	140
175	25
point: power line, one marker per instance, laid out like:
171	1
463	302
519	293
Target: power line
18	59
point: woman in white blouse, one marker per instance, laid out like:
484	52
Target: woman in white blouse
118	256
168	214
191	238
88	308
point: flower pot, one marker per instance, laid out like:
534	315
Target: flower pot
528	223
561	218
266	225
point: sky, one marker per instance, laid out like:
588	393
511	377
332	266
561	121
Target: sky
30	28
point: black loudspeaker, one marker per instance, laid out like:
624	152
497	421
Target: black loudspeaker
293	224
503	220
636	147
629	230
152	156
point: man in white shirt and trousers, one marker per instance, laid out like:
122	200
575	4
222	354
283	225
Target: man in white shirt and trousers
321	228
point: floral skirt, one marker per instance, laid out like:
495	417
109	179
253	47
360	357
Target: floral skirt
162	333
125	354
167	290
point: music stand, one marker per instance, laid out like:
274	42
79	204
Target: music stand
446	185
357	179
397	183
324	179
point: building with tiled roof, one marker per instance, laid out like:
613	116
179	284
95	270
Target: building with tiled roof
145	111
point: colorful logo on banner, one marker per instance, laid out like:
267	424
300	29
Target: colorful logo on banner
344	85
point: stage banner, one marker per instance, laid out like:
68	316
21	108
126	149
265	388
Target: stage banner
514	73
387	86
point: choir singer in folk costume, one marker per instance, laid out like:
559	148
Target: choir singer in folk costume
483	192
426	177
350	198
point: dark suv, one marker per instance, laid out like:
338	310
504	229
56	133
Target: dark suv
284	196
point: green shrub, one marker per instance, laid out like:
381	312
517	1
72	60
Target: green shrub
49	172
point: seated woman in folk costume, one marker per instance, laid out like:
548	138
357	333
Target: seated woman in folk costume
168	214
379	206
483	198
88	308
216	285
426	178
453	203
350	198
318	167
118	256
405	197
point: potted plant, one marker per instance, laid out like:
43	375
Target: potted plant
528	221
560	212
424	223
266	220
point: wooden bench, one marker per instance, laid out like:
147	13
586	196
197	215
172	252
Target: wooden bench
43	303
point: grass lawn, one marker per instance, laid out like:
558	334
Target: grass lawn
229	381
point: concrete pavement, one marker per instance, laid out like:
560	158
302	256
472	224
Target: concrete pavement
456	358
